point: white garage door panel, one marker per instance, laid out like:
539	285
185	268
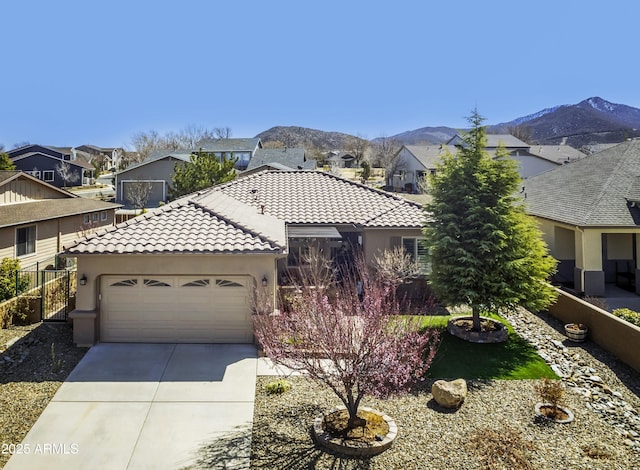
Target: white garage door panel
175	309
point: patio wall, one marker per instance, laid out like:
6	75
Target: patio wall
606	330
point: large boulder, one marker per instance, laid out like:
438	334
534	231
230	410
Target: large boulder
449	394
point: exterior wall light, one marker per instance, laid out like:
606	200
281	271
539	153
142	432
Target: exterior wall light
83	280
264	281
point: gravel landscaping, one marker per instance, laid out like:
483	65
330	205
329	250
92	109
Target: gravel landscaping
34	361
431	437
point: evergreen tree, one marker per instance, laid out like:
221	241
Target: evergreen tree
5	162
202	171
485	251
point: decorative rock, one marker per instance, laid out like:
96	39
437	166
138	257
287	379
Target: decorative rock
583	379
449	394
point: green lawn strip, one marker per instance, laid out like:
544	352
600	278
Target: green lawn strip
514	359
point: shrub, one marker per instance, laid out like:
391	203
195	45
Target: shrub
550	391
278	387
504	448
628	315
9	269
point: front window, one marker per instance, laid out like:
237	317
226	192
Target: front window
48	175
417	249
26	240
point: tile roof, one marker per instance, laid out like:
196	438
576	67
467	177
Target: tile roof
229	218
592	191
187	227
314	197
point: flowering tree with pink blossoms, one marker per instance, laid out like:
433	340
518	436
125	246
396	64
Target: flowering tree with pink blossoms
350	337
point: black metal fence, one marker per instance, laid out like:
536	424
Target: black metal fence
50	292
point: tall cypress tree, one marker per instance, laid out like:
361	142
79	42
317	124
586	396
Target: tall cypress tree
485	251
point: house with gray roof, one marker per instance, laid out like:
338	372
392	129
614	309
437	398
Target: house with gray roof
186	271
414	162
153	176
589	212
45	162
37	219
290	158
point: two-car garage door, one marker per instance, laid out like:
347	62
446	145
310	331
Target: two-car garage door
184	309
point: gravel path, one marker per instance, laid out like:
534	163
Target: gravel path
34	361
432	438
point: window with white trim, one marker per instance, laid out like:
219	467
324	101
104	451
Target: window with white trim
418	250
48	175
103	216
26	240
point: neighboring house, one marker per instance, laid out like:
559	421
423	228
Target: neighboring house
589	212
341	159
45	163
242	148
37	219
110	157
291	158
413	162
185	272
155	174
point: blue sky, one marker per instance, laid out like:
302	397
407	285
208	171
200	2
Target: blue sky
78	72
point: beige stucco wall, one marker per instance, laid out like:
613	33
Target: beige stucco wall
96	266
375	241
611	333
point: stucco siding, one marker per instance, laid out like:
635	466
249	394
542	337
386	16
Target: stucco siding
376	241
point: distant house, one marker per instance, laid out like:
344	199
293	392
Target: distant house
413	162
37	219
241	148
46	163
289	158
590	215
110	157
341	159
154	175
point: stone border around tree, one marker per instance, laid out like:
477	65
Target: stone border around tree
499	336
354	448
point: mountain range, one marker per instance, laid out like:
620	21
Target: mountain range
584	126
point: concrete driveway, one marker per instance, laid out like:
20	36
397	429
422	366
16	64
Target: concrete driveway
149	406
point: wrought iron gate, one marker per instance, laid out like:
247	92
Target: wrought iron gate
51	292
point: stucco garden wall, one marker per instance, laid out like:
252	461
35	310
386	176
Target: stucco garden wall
608	331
